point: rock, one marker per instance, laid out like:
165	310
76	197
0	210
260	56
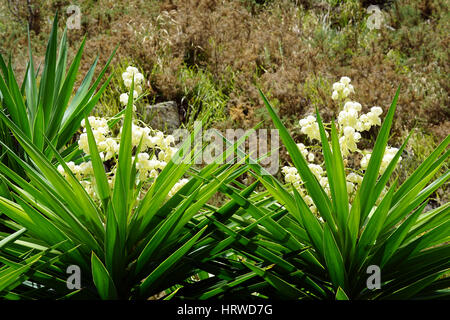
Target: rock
163	116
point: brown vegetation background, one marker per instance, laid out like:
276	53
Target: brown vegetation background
211	54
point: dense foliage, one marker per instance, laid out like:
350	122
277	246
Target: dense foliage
135	214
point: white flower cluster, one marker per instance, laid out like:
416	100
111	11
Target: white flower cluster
84	173
372	118
152	140
350	125
81	171
148	167
156	149
348	117
127	77
107	145
389	154
304	151
342	89
291	176
349	140
310	127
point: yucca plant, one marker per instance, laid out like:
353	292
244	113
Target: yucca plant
126	246
332	253
45	106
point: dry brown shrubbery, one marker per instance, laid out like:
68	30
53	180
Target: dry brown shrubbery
280	48
292	50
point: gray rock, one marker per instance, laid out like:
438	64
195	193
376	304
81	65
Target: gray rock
163	116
